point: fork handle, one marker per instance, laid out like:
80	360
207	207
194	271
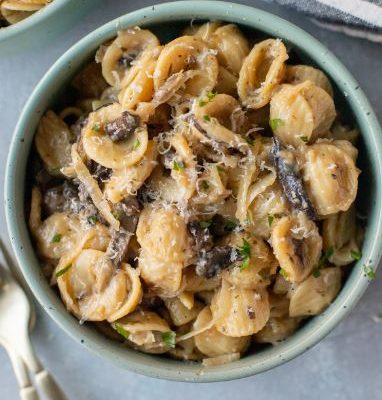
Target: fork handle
27	391
48	386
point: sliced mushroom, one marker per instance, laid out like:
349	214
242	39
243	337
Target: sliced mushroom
215	260
290	180
122	127
201	235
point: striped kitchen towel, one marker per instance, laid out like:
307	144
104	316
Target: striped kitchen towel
360	18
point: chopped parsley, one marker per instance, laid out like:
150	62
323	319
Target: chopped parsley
205	185
121	330
322	262
205	224
275	123
136	144
207	118
249	140
92	219
169	338
270	219
230	225
178	165
245	252
63	271
356	255
211	95
369	272
56	238
220	168
305	139
283	273
96	127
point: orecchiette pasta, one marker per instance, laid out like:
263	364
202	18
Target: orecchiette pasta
261	71
195	196
301	113
331	177
13	11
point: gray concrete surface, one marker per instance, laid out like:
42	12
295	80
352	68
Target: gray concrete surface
346	365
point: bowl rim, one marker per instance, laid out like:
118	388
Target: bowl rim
33	20
155	366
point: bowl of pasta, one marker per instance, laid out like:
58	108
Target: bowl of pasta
24	23
195	184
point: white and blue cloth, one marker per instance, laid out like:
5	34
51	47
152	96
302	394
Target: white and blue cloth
360	18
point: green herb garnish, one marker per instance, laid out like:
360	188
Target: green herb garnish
178	165
96	127
249	140
211	95
245	252
121	330
323	260
304	139
136	144
207	118
205	185
205	224
169	338
230	225
56	238
92	219
63	271
275	123
220	168
283	273
369	272
270	220
356	255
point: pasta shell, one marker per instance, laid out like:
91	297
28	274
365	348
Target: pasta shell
262	70
52	142
163	233
303	112
94	291
164	276
297	246
211	342
262	264
214	120
276	330
331	177
138	84
340	233
129	45
180	314
314	295
238	311
126	181
296	74
144	328
187	53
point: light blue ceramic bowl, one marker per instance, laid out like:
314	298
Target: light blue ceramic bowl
164	20
42	26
